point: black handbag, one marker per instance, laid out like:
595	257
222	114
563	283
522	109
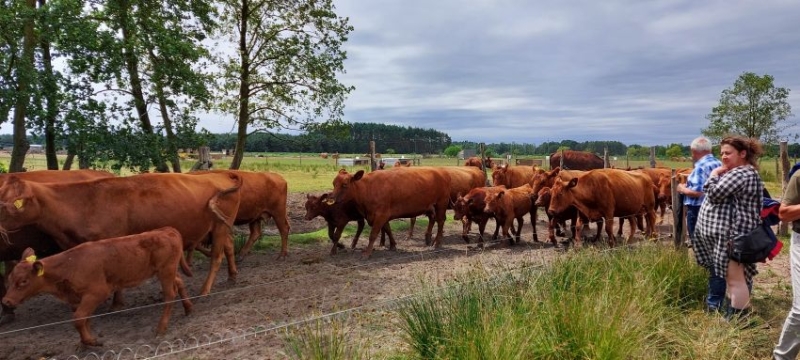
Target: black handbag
754	246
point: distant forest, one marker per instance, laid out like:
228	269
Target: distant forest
408	140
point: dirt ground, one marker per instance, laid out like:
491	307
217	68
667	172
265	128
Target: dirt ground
272	293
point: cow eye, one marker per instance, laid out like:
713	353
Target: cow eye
22	283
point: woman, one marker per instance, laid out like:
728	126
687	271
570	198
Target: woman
731	207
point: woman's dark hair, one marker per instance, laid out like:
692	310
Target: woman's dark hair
752	147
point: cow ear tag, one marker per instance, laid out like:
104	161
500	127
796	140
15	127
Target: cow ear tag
41	271
30	259
18	203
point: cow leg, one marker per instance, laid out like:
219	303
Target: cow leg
466	226
360	228
551	224
180	288
229	256
481	229
518	235
168	285
533	224
377	225
651	219
411	222
282	223
255	234
387	230
222	239
621	224
83	311
334	239
117	302
578	230
610	229
633	226
440	212
429	233
7	314
663	206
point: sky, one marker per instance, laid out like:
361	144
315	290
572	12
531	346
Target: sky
638	72
644	72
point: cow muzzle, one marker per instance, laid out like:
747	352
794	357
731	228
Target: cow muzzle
330	201
9	302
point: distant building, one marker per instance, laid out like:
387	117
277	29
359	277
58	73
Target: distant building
36	149
466	154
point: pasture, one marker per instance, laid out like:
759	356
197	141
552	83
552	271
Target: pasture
313	303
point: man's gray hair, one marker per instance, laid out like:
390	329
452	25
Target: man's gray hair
701	144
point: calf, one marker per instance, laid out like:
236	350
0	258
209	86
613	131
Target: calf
571	214
338	215
472	206
87	274
511	204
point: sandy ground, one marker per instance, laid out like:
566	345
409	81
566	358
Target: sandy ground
246	320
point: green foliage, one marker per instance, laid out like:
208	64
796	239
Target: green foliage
3	168
452	150
390	151
753	107
624	304
323	340
674	151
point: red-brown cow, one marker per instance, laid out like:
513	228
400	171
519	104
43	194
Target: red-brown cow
462	181
665	185
655	175
472	206
576	160
338	215
384	195
474	161
605	194
542	179
512	176
511	204
87	274
571	214
73	213
263	196
29	236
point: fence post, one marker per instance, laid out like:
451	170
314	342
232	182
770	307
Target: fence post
372	164
606	163
783	229
678	213
561	160
652	156
482	148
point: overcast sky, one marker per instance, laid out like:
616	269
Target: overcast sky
643	72
639	72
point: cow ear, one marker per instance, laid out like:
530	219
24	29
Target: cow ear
27	253
572	183
342	171
500	194
358	175
38	268
323	196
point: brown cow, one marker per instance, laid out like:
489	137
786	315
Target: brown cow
474	161
473	206
398	164
29	236
384	195
606	193
462	180
87	274
511	204
512	176
571	214
542	179
263	196
576	160
73	213
655	175
338	215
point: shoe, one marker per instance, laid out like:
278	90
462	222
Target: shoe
742	318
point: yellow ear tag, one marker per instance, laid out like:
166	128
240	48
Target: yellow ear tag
18	203
41	271
31	259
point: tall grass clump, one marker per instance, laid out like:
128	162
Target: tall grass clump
588	305
321	339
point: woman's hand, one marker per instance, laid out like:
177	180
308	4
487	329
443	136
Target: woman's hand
719	171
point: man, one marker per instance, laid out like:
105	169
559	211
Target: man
704	163
789	342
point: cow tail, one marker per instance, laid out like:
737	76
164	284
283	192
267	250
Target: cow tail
212	203
185	267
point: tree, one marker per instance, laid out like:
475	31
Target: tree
753	107
674	151
284	72
452	150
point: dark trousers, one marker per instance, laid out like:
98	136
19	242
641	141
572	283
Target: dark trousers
716	284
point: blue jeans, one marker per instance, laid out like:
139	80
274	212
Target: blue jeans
716	292
691	219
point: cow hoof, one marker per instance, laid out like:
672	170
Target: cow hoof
91	343
231	280
340	245
6	319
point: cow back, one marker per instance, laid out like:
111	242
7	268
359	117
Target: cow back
576	160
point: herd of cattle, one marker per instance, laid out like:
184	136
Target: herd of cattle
64	232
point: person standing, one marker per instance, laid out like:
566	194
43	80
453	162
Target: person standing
789	342
704	163
732	206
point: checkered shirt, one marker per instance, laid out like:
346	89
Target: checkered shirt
697	178
732	206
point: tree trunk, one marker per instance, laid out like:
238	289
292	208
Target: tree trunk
244	89
172	149
51	96
68	161
132	66
25	78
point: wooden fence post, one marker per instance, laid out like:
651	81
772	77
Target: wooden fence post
678	213
372	164
606	163
652	156
783	229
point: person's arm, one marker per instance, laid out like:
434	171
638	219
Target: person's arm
790	206
718	188
789	212
682	189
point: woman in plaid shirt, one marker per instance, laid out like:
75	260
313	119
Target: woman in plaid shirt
731	207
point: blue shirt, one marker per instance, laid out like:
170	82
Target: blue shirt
700	173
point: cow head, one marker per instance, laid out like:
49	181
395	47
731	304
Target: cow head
314	205
500	175
561	196
460	207
18	206
493	201
543	197
26	280
543	178
341	186
664	187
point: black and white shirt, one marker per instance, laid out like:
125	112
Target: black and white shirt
732	206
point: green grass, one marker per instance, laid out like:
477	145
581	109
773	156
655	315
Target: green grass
644	303
322	340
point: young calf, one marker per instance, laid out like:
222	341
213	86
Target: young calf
512	204
87	274
338	216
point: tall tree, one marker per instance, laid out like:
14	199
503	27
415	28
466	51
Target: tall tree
26	76
753	107
283	74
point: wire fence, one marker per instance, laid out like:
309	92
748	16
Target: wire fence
183	346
